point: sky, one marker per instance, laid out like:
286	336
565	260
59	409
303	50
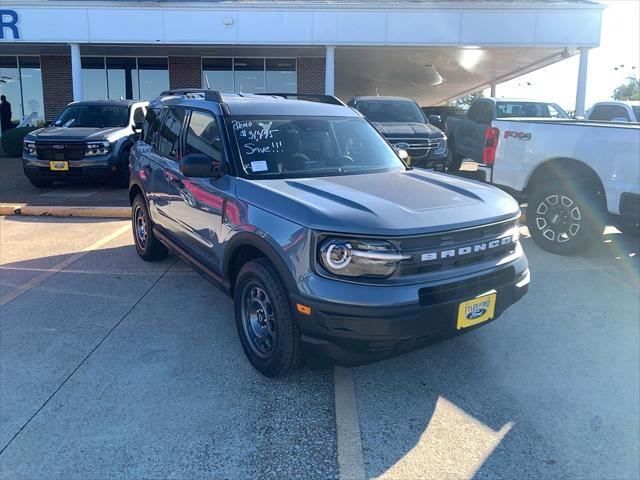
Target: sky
619	45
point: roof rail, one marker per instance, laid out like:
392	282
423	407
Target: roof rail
311	97
211	95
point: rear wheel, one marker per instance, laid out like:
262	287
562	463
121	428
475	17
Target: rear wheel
455	162
147	245
266	326
565	222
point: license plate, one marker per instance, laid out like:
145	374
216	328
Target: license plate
478	310
58	165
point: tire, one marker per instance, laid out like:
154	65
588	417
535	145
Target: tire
455	162
39	182
629	228
147	245
120	178
266	326
565	220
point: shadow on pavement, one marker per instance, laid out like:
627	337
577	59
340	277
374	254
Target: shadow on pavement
549	390
17	189
167	393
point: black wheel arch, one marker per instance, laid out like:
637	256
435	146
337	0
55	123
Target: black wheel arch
246	246
134	190
571	174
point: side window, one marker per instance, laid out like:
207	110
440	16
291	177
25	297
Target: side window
168	140
138	116
553	113
473	111
203	136
484	113
151	125
619	113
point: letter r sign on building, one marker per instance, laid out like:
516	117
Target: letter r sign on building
9	22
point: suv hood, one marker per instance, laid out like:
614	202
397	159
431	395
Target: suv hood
401	203
408	130
75	134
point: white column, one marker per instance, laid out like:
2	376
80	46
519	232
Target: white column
329	71
76	72
581	92
493	90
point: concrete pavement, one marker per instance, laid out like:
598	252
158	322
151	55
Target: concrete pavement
113	367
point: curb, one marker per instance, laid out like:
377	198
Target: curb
61	211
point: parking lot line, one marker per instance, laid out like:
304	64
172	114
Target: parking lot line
349	442
60	266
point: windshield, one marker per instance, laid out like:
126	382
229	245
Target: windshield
636	110
93	116
529	109
391	111
282	147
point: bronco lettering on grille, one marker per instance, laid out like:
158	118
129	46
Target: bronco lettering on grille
466	250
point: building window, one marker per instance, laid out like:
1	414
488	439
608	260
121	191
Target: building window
21	83
250	75
139	78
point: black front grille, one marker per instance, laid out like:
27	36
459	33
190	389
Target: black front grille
60	150
453	291
61	174
418	148
417	246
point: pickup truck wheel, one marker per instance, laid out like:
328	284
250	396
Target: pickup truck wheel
147	245
455	162
267	329
564	222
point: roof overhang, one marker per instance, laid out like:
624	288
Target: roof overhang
391	23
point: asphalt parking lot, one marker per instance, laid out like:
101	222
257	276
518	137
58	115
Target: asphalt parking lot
111	367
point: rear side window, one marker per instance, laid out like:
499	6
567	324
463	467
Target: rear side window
608	113
138	116
151	125
168	140
203	136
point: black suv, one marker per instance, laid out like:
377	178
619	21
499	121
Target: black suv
331	246
405	126
87	141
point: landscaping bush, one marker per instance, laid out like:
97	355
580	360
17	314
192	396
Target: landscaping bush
12	140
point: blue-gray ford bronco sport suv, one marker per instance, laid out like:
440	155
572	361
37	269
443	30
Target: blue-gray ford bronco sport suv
331	247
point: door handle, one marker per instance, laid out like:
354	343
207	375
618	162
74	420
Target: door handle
177	182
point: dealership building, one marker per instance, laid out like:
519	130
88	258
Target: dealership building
53	52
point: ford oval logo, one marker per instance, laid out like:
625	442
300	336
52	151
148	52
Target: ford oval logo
402	146
59	147
476	313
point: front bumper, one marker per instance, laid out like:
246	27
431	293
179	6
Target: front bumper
354	334
92	168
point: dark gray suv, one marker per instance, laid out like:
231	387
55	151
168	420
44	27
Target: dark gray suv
331	247
88	141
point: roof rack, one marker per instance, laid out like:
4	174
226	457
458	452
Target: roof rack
211	95
311	97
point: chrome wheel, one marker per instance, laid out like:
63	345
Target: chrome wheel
140	227
258	320
558	218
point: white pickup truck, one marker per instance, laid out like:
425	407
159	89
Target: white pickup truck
577	177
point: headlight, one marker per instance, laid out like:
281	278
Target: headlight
97	148
30	148
359	258
442	146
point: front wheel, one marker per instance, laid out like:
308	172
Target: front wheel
455	162
147	245
565	222
267	329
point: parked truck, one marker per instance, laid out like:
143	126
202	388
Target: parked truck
615	111
466	134
577	177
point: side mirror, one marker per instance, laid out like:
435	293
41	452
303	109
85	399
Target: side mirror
435	119
203	166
